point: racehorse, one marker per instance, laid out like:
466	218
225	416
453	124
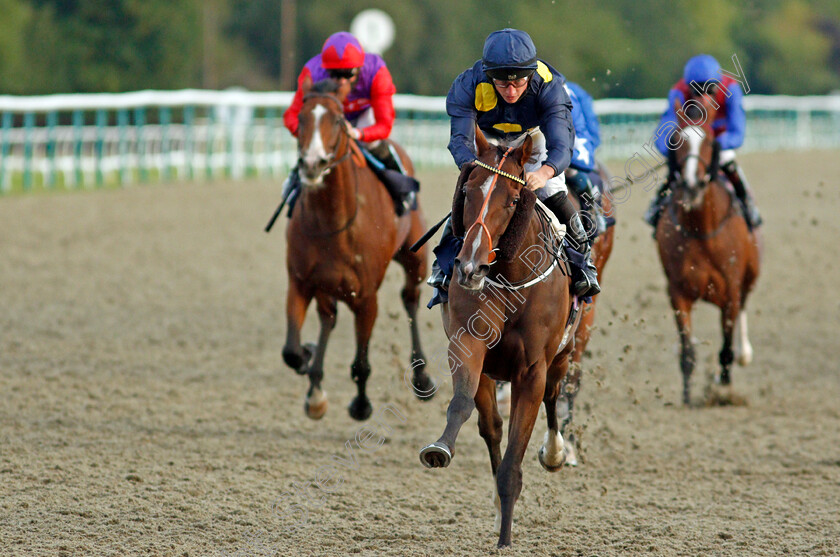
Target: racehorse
507	322
707	250
342	235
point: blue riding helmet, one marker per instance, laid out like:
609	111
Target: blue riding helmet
702	68
509	54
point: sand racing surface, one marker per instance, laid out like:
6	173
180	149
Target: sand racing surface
146	409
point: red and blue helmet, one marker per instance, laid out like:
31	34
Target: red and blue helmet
342	51
702	68
509	54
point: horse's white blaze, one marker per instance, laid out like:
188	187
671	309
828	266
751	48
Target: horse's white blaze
497	502
552	448
745	351
485	187
315	151
694	135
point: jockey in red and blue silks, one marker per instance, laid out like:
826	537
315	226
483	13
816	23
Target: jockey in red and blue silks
582	175
510	94
369	107
703	75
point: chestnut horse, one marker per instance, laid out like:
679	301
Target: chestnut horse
507	322
340	239
707	250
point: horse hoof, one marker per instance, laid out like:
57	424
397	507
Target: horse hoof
360	409
299	361
315	407
436	455
315	412
554	467
424	387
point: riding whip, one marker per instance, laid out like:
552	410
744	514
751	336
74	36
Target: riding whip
425	237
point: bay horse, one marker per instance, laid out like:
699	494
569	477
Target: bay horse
507	322
707	250
342	235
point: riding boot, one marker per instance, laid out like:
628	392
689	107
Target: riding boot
586	281
581	183
742	190
291	190
386	154
439	278
655	210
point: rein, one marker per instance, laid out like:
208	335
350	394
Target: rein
497	171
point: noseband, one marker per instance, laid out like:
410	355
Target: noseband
497	171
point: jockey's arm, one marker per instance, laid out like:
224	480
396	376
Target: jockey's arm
382	102
668	122
461	111
736	121
558	129
290	117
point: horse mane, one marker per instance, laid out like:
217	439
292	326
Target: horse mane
517	228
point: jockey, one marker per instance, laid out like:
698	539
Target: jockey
510	93
369	107
702	75
582	175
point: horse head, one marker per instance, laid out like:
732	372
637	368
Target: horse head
693	154
323	139
491	198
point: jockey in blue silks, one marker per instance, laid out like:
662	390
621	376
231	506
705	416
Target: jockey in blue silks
511	94
703	75
582	175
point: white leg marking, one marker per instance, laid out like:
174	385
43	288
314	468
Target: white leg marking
503	399
552	449
745	351
497	502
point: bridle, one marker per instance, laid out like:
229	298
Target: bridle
497	171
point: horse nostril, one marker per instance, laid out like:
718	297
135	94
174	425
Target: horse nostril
482	271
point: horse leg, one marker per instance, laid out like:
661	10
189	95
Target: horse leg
297	300
528	389
571	383
682	313
315	404
415	271
465	380
360	408
490	429
554	451
729	316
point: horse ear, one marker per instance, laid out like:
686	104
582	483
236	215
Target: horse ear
524	151
480	141
678	106
514	234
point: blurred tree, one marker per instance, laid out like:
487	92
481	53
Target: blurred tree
16	15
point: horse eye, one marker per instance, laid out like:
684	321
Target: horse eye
514	201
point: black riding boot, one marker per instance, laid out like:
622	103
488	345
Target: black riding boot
655	210
291	190
586	283
742	190
439	278
581	183
387	155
